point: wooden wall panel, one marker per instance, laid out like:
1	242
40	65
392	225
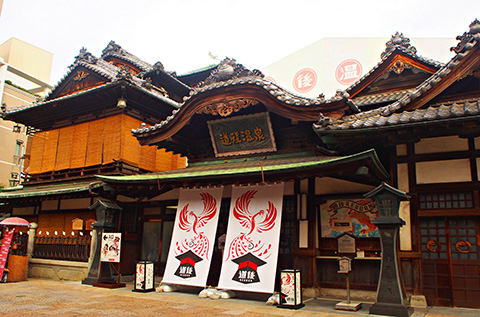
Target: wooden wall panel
130	145
112	138
79	147
95	142
36	155
50	150
64	149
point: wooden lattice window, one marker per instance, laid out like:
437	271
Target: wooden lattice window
450	200
434	239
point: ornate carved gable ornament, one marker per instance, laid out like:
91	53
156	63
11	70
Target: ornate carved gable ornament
398	41
226	108
84	56
112	47
229	69
466	38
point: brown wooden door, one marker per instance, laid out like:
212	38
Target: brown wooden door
450	261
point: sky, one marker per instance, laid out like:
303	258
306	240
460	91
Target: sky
181	33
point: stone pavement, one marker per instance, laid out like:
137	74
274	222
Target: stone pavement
37	297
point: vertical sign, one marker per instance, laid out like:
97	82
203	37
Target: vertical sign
111	247
253	233
193	238
7	240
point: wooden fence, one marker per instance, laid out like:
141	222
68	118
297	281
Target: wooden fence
62	248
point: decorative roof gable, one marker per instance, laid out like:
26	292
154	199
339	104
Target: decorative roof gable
399	60
413	106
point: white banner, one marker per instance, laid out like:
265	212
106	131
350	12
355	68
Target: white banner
193	238
111	247
253	233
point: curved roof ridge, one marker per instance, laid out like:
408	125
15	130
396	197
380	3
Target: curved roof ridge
273	89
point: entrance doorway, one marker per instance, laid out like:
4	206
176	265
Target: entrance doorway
156	242
450	260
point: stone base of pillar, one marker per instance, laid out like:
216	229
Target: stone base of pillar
391	310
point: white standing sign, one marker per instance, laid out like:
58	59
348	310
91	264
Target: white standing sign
253	233
111	243
193	238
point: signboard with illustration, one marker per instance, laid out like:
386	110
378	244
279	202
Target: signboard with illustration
111	247
242	135
352	216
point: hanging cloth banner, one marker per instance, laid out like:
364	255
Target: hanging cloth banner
7	240
193	238
253	234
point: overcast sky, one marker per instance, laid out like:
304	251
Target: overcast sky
256	33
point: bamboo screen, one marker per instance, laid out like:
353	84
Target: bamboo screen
36	154
50	150
64	149
112	138
95	143
79	147
130	145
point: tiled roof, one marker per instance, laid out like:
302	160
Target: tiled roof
435	112
116	50
380	98
386	115
273	89
106	70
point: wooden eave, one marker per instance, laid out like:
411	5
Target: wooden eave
246	91
93	104
240	172
385	65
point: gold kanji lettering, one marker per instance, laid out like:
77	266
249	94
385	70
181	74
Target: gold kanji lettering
259	134
225	138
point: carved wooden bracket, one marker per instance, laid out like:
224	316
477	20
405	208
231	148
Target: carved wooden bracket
225	108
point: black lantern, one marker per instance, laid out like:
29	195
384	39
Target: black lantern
107	212
387	199
391	297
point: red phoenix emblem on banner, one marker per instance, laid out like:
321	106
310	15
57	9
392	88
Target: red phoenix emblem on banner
263	220
190	221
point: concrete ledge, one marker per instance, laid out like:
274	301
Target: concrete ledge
58	262
58	270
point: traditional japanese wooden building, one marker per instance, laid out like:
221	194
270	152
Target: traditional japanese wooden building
410	120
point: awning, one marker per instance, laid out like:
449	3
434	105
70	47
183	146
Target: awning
45	190
364	167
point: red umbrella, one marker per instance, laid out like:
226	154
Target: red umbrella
15	221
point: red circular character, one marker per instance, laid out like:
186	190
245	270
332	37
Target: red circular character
305	80
269	78
348	71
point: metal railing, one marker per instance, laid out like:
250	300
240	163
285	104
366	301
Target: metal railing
66	248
